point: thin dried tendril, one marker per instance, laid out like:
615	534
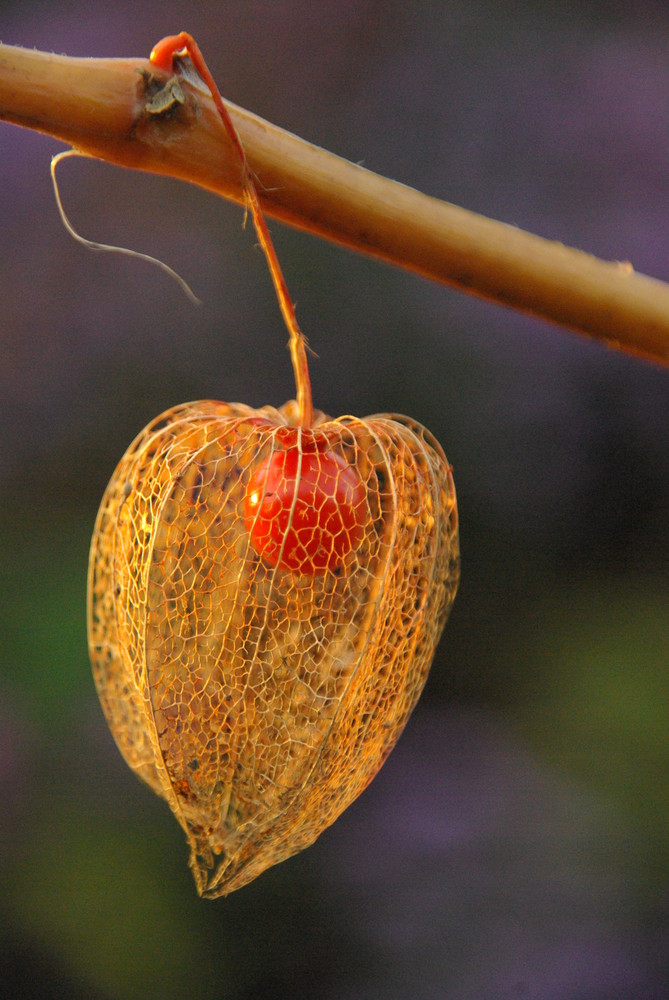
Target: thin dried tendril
107	247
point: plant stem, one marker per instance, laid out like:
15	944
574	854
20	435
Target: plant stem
127	112
166	55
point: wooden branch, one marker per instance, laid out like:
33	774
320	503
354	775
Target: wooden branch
127	112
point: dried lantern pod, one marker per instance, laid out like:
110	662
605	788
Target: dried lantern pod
266	592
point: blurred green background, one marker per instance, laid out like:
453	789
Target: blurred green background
515	844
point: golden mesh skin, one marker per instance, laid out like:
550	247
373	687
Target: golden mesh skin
257	701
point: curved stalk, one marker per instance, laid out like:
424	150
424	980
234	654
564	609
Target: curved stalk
128	112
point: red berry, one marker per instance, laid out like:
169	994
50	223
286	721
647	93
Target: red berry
305	508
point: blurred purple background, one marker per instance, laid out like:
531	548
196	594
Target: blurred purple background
515	844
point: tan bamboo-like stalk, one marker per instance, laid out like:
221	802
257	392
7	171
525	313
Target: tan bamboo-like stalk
127	112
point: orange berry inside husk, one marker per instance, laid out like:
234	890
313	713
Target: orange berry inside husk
305	508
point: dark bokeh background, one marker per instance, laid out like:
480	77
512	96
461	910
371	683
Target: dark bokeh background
515	844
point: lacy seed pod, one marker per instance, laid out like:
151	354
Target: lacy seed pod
266	591
260	701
